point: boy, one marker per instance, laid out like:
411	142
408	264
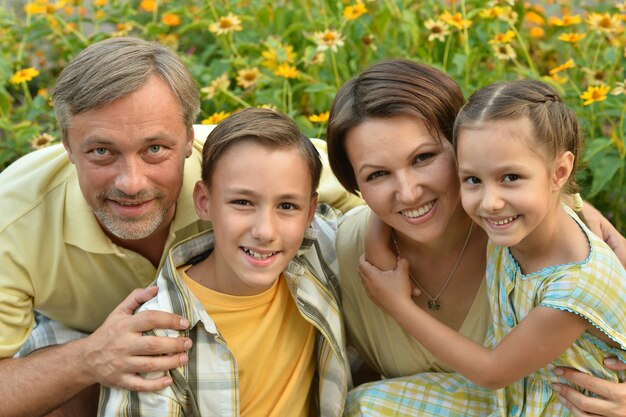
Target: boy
260	290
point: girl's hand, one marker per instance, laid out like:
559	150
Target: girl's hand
388	289
613	401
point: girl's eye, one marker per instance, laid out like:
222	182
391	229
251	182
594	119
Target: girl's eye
288	206
154	148
424	157
241	202
375	175
472	180
511	177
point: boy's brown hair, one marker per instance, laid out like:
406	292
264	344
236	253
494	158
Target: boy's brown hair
266	127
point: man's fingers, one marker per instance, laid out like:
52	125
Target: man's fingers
140	384
150	364
153	319
160	345
135	299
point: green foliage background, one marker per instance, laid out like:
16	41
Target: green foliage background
304	50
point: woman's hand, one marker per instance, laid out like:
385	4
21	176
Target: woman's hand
613	395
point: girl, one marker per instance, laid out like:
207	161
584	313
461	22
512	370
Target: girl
556	291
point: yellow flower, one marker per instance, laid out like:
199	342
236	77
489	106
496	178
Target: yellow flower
99	14
571	37
99	3
536	32
276	54
35	8
41	141
605	23
287	71
226	24
504	51
501	38
594	94
558	78
319	118
567	65
355	11
123	29
455	20
438	30
24	75
620	88
329	39
534	18
594	77
247	78
42	92
567	20
169	39
215	118
493	12
221	83
170	19
147	5
621	6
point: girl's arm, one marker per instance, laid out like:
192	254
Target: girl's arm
535	342
377	242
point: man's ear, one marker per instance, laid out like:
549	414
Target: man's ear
201	200
562	169
312	208
189	142
66	145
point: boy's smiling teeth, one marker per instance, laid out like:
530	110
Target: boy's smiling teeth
419	211
257	255
502	221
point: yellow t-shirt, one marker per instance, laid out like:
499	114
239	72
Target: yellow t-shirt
272	343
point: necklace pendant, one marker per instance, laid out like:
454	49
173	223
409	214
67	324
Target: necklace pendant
433	305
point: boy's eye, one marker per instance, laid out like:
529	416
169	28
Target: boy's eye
424	157
375	175
288	206
472	180
241	202
511	177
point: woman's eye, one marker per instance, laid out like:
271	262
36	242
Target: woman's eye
375	175
511	177
424	157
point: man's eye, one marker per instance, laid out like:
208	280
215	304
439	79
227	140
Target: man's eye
154	148
511	177
100	151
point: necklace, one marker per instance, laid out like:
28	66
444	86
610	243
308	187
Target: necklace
433	304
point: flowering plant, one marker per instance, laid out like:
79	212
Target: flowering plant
295	55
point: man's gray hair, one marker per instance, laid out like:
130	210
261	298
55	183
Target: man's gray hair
115	68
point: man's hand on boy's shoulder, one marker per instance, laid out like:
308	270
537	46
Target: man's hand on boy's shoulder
118	351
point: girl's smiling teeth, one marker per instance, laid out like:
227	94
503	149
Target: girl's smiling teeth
257	255
501	222
418	212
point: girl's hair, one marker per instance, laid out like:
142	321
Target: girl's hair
555	128
386	89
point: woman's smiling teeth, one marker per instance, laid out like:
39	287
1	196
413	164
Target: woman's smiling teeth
257	255
419	211
502	221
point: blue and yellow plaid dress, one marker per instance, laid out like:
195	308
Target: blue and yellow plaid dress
594	289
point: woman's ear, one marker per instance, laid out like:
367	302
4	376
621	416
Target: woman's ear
201	200
563	167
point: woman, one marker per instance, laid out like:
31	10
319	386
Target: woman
389	139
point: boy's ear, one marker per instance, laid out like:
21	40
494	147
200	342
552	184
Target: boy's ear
563	166
201	200
312	208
